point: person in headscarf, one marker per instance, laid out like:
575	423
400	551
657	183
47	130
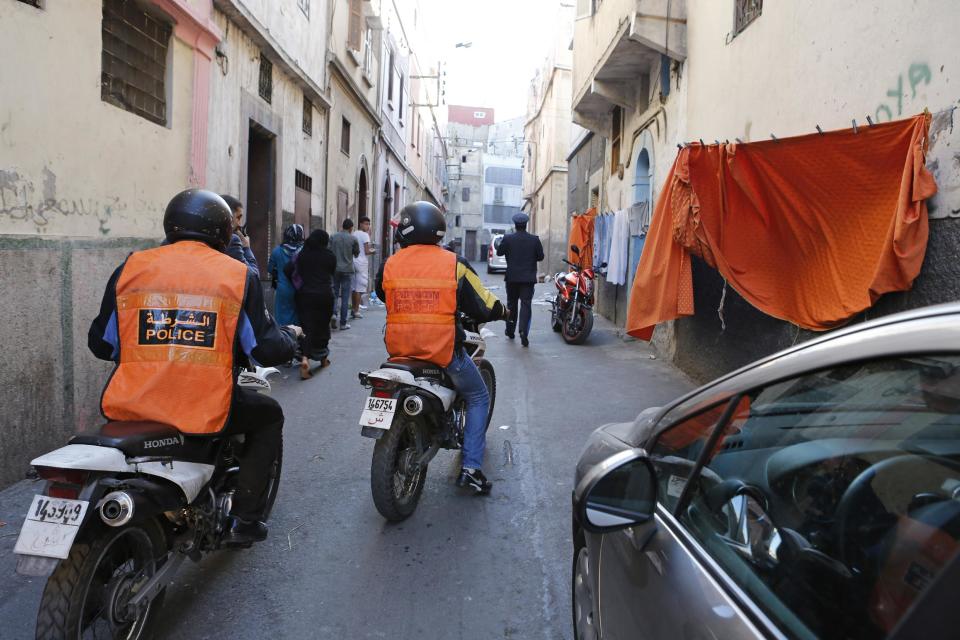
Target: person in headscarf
284	307
313	271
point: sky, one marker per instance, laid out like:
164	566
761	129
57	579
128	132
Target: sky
510	40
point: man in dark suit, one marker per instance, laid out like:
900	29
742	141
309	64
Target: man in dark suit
523	251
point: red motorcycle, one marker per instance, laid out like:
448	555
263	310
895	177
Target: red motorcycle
572	314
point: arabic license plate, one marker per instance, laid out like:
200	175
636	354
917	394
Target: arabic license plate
378	412
50	527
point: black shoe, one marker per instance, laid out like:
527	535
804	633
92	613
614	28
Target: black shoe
524	341
244	532
509	335
474	479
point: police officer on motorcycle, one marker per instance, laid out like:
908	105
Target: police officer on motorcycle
425	288
178	321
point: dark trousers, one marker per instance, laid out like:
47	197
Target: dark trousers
519	299
342	288
315	311
260	418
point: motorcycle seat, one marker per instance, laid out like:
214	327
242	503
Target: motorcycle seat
419	368
148	440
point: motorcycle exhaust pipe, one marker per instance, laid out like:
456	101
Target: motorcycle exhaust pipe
116	508
413	405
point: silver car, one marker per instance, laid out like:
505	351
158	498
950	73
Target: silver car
812	494
495	263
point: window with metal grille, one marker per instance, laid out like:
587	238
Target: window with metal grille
32	3
345	137
266	78
307	116
498	195
465	196
305	7
303	181
746	12
134	71
368	51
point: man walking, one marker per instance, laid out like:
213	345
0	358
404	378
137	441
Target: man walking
523	251
345	247
360	264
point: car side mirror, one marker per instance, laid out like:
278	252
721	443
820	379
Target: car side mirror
575	249
617	493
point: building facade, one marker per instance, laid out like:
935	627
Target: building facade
88	162
353	77
266	142
502	195
547	129
651	74
468	130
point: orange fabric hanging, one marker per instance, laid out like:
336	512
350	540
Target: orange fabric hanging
581	235
811	229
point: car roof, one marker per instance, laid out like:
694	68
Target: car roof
933	329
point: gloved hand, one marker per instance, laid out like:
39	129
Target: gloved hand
500	312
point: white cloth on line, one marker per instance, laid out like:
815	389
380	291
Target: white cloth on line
619	240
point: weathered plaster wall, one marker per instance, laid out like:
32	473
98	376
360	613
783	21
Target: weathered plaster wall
71	164
55	390
235	100
862	61
343	170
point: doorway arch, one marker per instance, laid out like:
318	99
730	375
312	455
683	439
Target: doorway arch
362	193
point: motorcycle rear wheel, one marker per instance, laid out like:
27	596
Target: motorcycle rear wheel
580	331
395	485
84	596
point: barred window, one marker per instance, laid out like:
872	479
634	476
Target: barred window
302	181
345	136
307	116
266	78
32	3
134	61
746	12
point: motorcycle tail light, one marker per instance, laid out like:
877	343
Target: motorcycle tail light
382	393
63	483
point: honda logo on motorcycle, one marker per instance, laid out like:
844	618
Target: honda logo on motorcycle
162	442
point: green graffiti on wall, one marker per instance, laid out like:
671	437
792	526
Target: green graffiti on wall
917	74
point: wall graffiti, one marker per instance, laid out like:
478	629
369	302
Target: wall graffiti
918	74
20	201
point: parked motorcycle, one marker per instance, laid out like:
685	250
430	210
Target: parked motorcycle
572	313
413	412
122	508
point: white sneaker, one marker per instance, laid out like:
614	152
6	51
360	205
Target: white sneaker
363	307
344	326
356	315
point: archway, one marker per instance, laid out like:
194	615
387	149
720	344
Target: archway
642	205
362	194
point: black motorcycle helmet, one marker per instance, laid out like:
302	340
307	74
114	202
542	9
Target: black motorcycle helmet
201	215
421	223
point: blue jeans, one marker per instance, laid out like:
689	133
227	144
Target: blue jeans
466	378
342	287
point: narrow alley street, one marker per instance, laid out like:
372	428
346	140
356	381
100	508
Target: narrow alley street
461	566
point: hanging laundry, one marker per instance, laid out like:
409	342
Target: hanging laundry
639	219
581	235
811	229
619	245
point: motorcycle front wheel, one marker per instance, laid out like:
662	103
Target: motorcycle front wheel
556	323
87	594
577	329
395	480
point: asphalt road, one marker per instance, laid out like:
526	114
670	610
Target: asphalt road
462	566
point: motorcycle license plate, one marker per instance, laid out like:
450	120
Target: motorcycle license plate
50	527
378	412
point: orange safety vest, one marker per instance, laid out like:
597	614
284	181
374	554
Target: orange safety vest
177	312
420	282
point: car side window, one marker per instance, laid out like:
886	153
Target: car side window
677	449
835	502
